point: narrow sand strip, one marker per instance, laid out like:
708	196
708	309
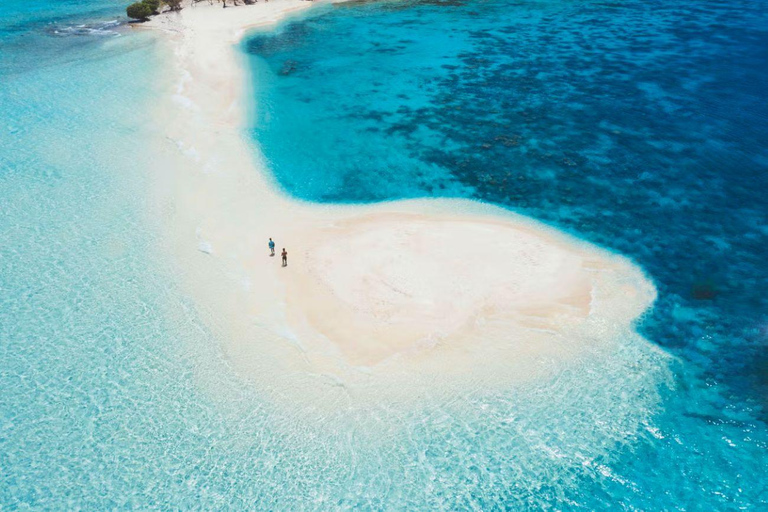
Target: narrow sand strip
384	294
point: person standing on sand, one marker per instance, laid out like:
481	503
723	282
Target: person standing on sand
285	257
271	247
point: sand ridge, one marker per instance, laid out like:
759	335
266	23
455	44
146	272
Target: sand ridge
387	292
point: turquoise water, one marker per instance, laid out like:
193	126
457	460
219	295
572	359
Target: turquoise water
641	126
114	395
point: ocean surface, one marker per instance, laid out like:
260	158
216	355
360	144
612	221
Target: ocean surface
640	126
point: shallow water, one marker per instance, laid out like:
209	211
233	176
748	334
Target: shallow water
114	395
641	126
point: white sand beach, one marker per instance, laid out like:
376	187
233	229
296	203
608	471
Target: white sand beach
376	296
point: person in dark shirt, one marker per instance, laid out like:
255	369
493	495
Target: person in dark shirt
285	257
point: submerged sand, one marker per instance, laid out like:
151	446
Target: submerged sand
382	295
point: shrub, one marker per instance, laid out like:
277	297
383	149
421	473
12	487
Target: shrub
138	11
153	4
175	5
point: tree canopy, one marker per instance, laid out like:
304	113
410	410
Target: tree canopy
139	11
153	4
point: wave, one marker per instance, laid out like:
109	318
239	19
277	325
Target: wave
100	28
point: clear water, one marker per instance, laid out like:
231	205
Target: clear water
640	125
114	396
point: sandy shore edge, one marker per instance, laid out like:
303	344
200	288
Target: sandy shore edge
375	297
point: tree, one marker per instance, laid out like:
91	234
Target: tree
175	5
139	11
153	4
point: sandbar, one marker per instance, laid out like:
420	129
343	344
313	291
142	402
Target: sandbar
374	297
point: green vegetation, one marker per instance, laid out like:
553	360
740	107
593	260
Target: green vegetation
153	4
146	8
139	11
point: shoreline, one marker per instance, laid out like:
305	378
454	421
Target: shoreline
375	297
